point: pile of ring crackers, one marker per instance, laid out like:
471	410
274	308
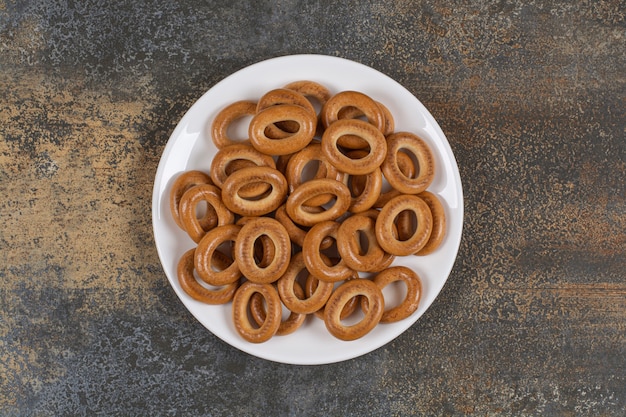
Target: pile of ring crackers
295	216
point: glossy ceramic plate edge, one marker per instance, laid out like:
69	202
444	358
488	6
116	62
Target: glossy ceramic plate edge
316	346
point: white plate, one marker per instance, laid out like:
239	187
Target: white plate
190	147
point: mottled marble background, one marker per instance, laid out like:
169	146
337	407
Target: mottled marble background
531	96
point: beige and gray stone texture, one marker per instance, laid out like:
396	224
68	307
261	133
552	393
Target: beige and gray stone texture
531	96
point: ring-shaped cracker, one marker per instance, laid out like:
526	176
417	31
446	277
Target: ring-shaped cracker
341	296
386	221
439	223
362	102
311	89
373	137
263	248
407	167
301	214
225	117
282	161
295	231
191	286
273	309
196	228
411	300
315	92
244	251
287	293
284	96
364	189
287	326
388	258
310	285
299	162
316	263
390	124
349	244
182	183
232	157
281	130
354	142
261	205
205	256
282	113
425	172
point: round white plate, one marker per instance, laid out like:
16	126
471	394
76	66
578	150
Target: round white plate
191	147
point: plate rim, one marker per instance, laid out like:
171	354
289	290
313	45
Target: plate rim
158	194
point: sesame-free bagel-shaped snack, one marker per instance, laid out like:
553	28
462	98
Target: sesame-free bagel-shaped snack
191	286
370	134
183	182
387	258
390	124
365	189
205	256
301	160
230	156
316	93
425	171
310	286
269	116
301	214
265	203
350	248
217	214
411	300
362	102
353	142
284	96
311	89
341	296
226	116
264	249
316	263
385	223
287	326
407	168
273	310
439	223
283	129
244	250
293	301
295	231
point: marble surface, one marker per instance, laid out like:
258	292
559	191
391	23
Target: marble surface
531	97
